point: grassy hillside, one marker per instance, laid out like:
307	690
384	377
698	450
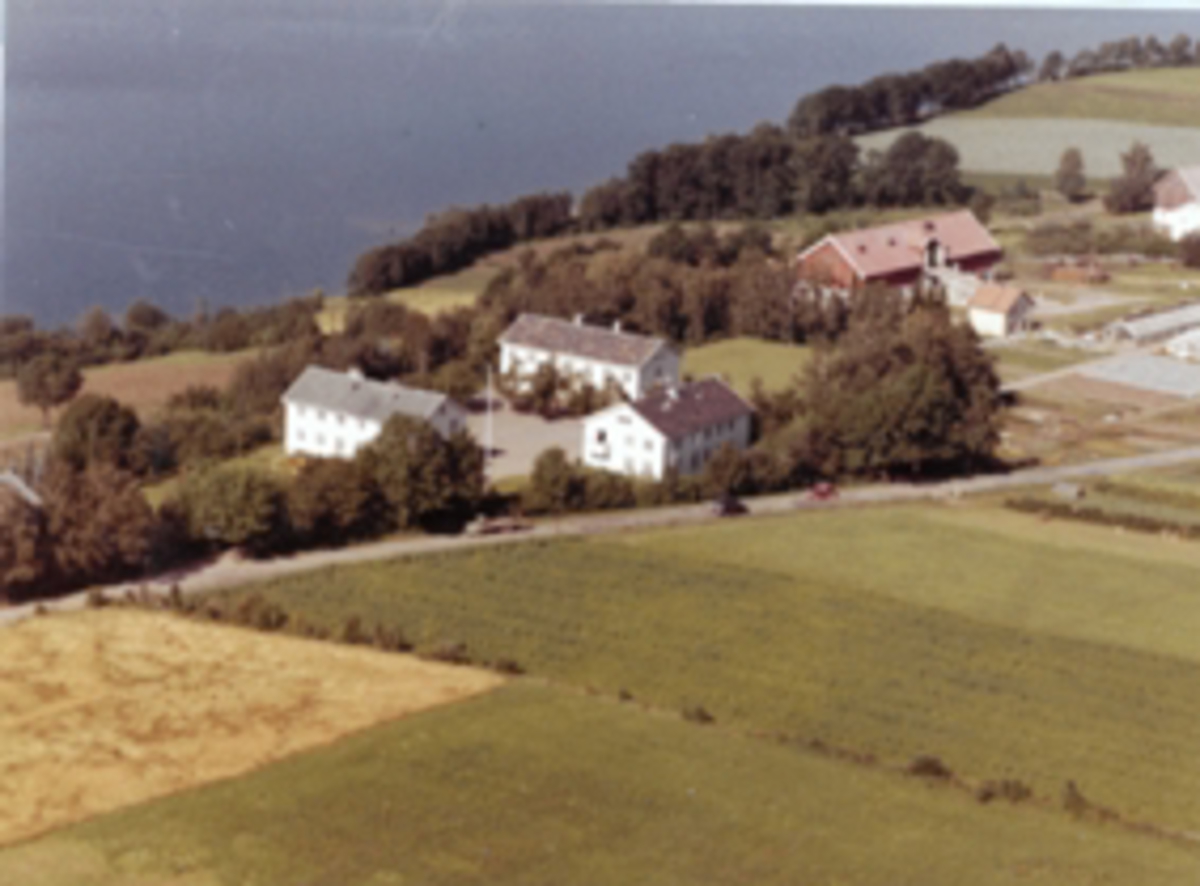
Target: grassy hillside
743	359
1006	646
1025	132
145	384
532	785
1163	96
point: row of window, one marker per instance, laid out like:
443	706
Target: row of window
302	411
339	445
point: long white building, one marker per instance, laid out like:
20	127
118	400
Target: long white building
679	428
592	354
334	414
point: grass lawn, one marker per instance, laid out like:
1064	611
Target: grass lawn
742	359
1035	357
1034	144
1165	96
431	297
540	786
1007	646
144	385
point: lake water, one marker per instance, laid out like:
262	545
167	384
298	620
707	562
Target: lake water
235	152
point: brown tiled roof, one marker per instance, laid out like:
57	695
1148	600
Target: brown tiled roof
594	342
891	249
994	297
691	408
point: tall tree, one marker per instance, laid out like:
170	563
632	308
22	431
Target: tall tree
95	428
1133	189
47	381
235	505
99	521
1069	179
824	172
26	553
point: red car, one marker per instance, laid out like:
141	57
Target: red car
822	492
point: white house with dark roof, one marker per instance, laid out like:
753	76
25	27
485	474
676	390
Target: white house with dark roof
592	354
1177	202
678	428
334	414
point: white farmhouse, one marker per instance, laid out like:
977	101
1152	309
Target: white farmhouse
334	414
997	311
593	354
676	428
1177	202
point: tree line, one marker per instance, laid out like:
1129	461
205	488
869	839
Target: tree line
1127	54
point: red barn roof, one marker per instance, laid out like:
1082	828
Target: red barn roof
893	249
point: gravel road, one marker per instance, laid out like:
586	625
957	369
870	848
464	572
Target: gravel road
231	570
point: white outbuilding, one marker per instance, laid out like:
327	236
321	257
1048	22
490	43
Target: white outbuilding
678	428
996	311
334	414
590	354
1177	202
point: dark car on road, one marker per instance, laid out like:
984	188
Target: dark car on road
728	506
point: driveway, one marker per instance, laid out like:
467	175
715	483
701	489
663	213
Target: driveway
517	440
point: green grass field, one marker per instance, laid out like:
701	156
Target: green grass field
741	360
541	786
1007	646
1031	358
1164	96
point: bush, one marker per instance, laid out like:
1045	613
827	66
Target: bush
449	653
926	766
698	714
353	633
1006	789
508	666
96	599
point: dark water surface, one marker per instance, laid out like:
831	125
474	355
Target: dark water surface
236	152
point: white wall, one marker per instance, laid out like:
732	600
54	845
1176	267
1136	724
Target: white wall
325	433
1178	223
663	369
632	446
990	324
330	434
617	439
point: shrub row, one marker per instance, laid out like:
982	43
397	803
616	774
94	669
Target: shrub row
1101	517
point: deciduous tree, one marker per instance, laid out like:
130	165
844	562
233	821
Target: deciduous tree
1069	179
47	381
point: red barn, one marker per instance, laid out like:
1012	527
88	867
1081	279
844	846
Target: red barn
898	254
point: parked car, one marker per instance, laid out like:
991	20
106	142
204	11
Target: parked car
728	506
496	525
822	492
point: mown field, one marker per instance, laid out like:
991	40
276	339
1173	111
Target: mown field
1034	358
741	360
1164	96
144	385
1033	145
541	786
101	710
1007	646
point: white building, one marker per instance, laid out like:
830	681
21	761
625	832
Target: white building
591	354
1185	346
334	414
997	311
677	428
1156	327
1177	202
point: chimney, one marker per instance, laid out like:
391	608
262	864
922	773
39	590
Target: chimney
578	320
616	326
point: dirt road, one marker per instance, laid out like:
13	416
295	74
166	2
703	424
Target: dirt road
230	571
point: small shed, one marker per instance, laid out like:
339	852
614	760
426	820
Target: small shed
997	310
